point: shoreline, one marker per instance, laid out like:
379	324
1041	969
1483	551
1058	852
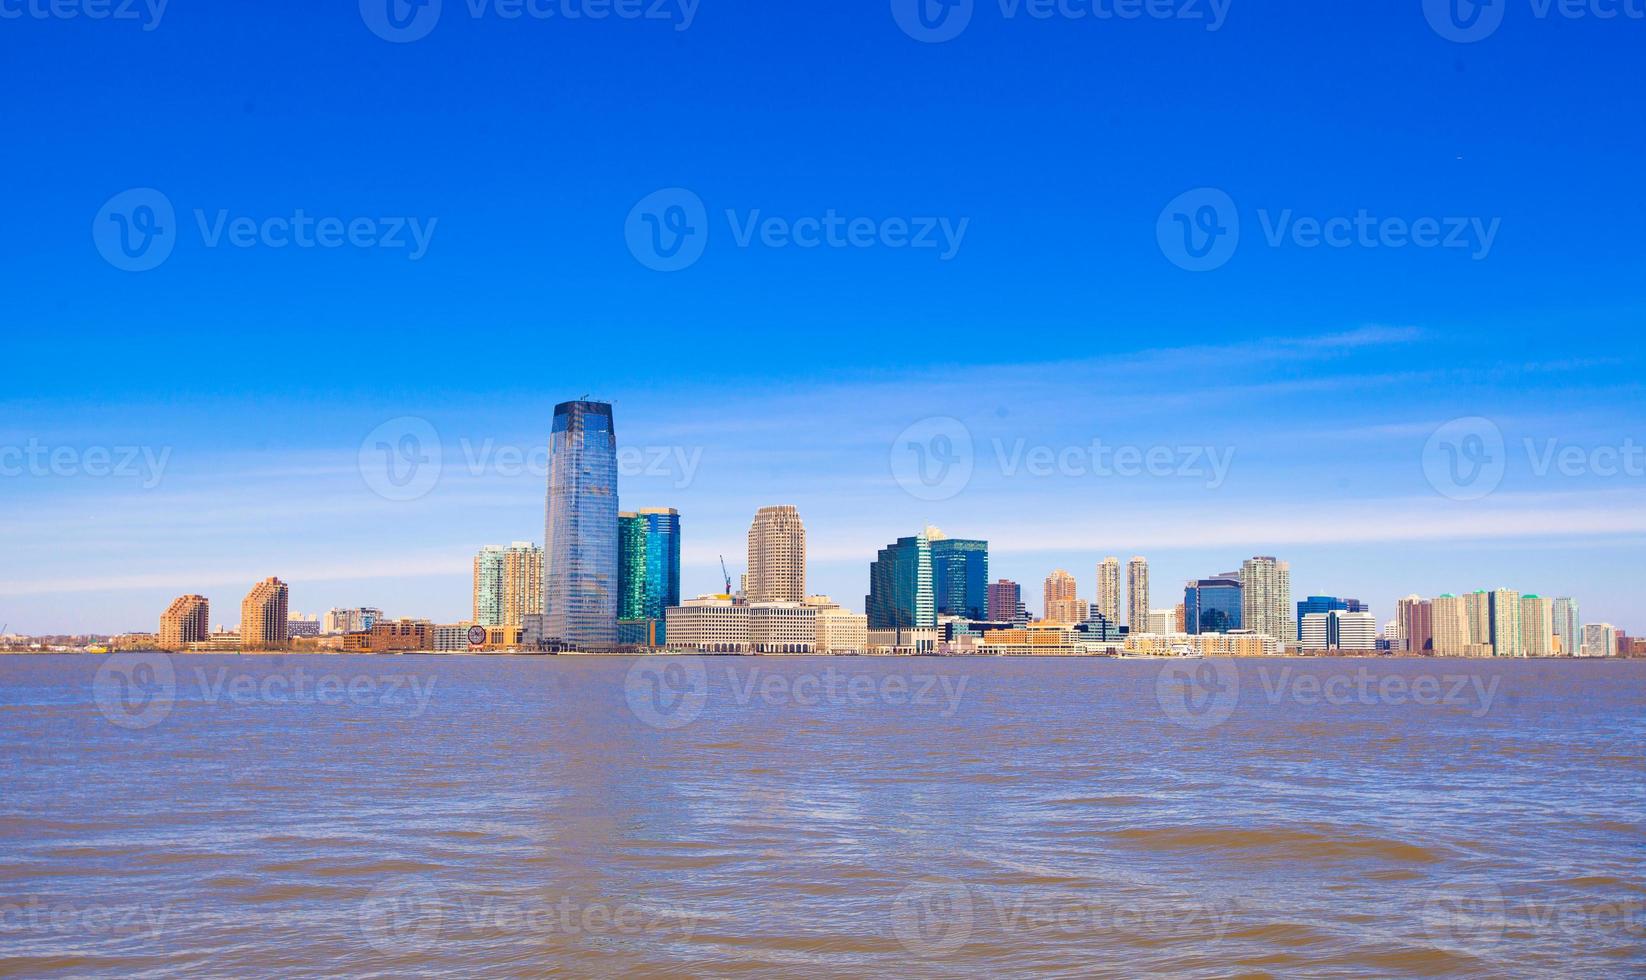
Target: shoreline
532	655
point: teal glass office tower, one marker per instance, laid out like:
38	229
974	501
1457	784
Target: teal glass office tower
662	560
960	577
580	585
631	566
900	586
648	563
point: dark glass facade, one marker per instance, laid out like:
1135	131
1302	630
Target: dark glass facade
648	564
662	561
631	566
580	582
1212	605
900	586
1326	604
960	577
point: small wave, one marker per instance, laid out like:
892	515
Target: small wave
1277	844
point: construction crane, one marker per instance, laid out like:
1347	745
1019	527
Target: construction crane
725	575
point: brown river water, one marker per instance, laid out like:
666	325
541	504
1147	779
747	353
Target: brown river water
223	816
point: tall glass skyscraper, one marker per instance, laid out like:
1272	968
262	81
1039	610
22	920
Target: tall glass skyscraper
1212	605
580	583
900	586
662	560
631	566
648	562
960	575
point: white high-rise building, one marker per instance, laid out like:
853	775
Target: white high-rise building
1162	622
1599	640
1356	630
1479	605
1108	589
1450	622
1507	638
1339	630
1568	626
1314	631
357	620
1537	630
1137	594
1266	598
777	556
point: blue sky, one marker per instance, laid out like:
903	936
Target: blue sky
1056	151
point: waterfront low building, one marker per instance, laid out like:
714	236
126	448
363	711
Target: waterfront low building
1234	643
401	635
1339	630
839	631
640	632
452	638
709	624
782	627
908	641
1042	639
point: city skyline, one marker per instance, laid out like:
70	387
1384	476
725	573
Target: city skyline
1257	600
700	576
